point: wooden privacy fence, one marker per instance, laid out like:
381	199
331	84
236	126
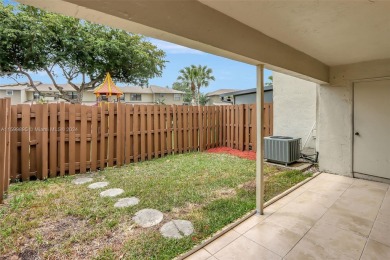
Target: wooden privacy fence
48	140
5	121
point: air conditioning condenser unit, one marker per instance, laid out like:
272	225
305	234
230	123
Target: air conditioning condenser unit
282	149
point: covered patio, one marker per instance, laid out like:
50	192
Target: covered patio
330	217
341	45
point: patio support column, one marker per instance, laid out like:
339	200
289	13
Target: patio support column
259	139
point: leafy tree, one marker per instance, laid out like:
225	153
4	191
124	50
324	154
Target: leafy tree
270	82
188	76
160	101
195	77
204	76
182	86
203	99
33	40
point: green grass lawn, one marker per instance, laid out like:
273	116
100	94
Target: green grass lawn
57	219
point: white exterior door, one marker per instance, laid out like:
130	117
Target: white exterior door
372	128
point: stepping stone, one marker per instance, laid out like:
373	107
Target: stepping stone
177	229
79	181
111	192
98	185
126	202
148	217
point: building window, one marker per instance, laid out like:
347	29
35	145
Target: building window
177	97
122	97
103	98
135	97
36	95
9	93
72	95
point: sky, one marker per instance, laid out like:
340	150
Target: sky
228	73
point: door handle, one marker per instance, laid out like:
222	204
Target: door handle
357	133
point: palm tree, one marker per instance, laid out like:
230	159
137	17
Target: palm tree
203	99
189	76
183	86
204	76
270	81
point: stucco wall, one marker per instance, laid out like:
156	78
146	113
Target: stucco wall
169	99
213	100
294	107
251	98
88	96
145	98
29	95
335	117
246	99
16	98
335	129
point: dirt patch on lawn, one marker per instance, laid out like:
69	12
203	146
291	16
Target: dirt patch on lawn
185	210
251	185
224	193
248	186
63	239
193	208
57	231
25	254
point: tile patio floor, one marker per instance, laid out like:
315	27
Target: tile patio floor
330	217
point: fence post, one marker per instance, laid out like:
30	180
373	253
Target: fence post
169	130
102	144
253	128
25	159
127	132
83	139
62	138
247	117
8	144
201	129
94	138
163	128
143	132
119	142
174	121
135	132
4	146
3	126
156	130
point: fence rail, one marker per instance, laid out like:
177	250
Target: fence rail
49	140
5	121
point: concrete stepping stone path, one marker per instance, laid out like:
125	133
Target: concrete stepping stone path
98	185
148	217
79	181
111	192
126	202
177	229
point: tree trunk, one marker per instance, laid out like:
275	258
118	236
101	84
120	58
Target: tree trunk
80	96
198	95
193	89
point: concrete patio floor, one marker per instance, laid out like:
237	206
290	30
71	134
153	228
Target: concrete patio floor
330	217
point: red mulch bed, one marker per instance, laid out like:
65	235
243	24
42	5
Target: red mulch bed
250	155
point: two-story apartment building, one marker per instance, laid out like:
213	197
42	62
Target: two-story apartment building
215	97
16	93
20	94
